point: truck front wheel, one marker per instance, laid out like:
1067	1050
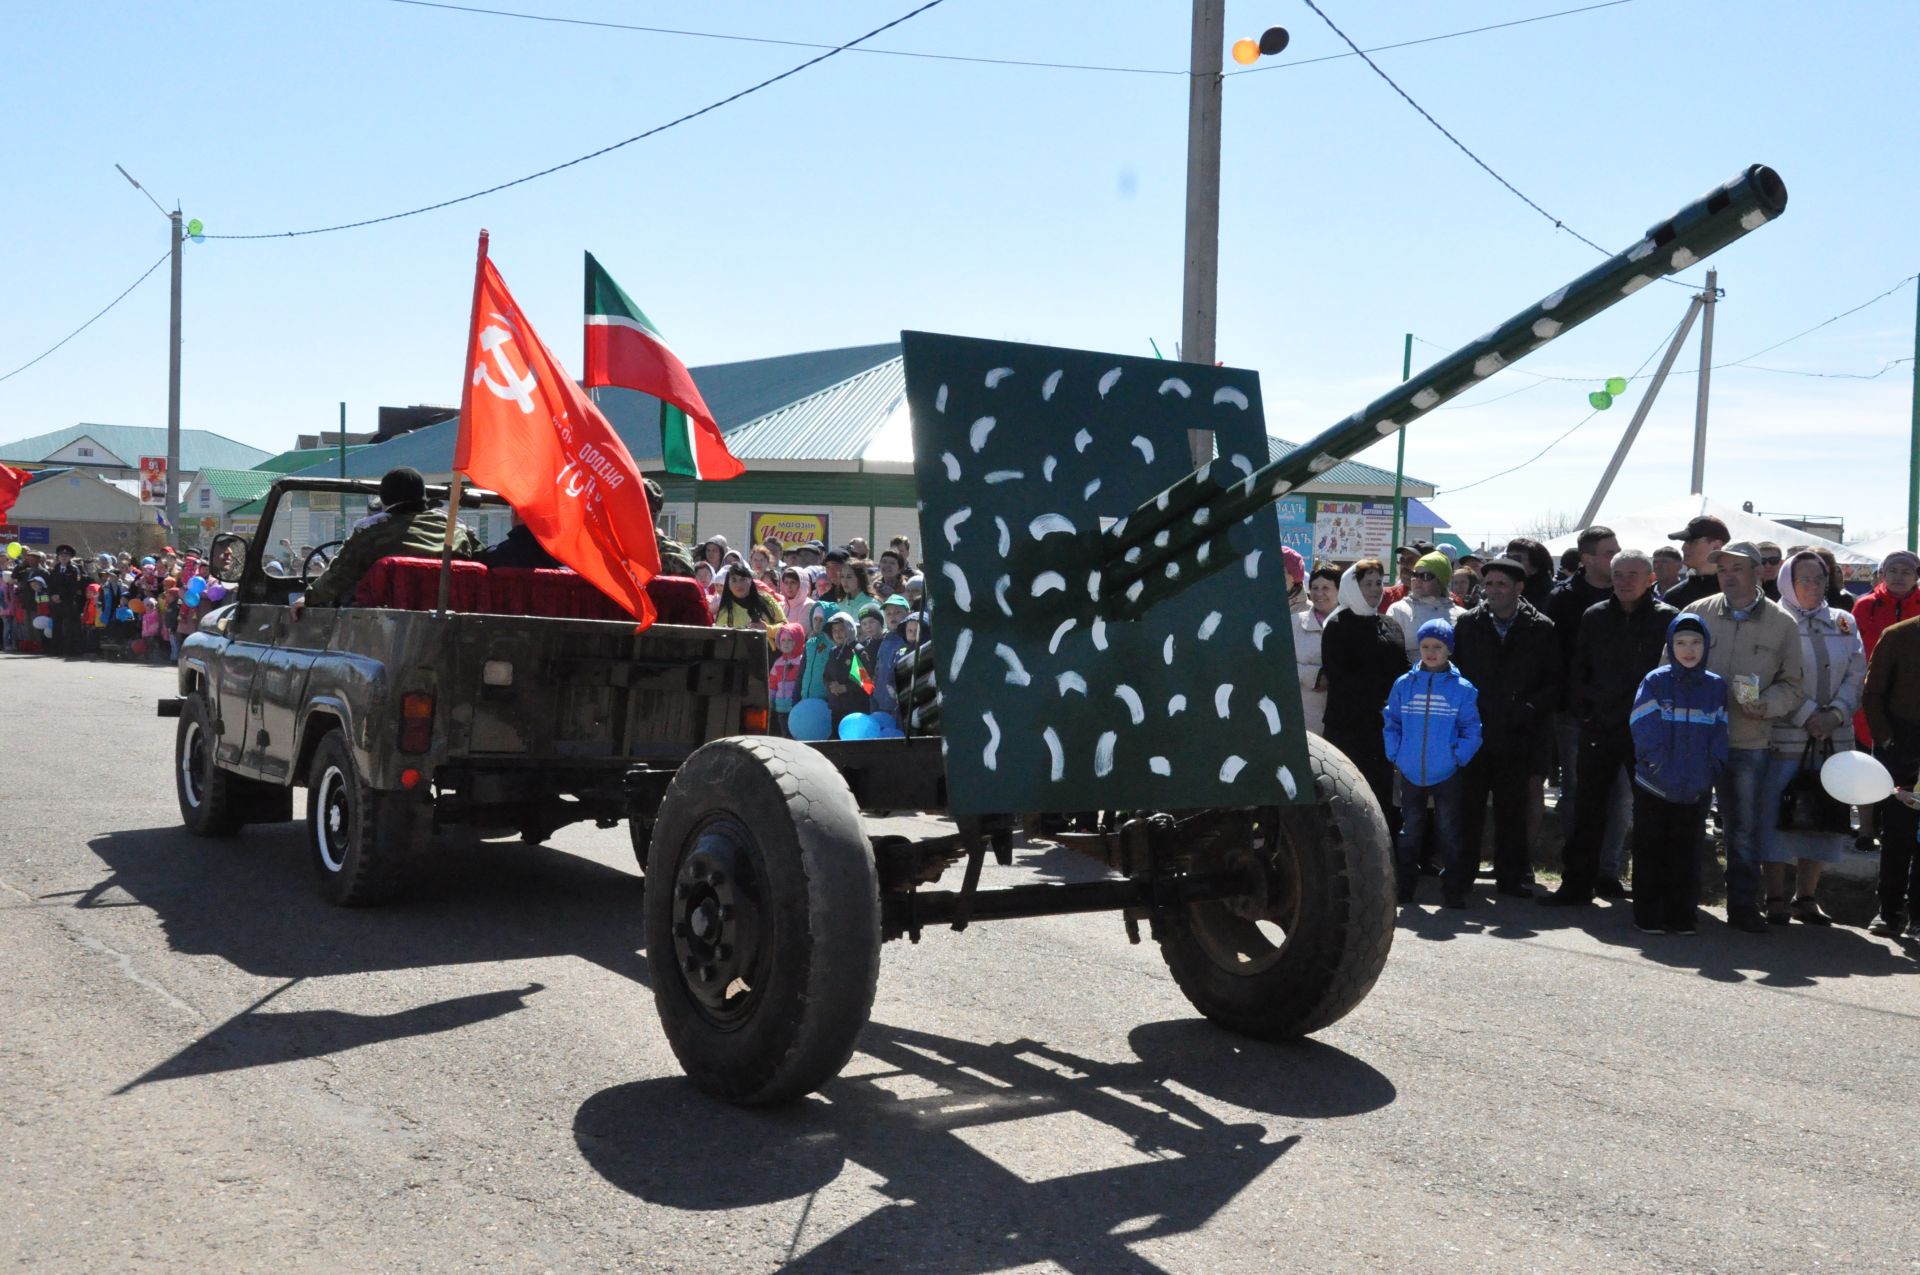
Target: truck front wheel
1305	947
209	804
361	839
763	919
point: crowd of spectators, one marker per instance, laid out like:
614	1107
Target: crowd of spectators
104	604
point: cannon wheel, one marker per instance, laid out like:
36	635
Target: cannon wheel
762	919
1306	948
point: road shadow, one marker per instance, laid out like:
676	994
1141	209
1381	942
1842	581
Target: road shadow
250	901
933	1118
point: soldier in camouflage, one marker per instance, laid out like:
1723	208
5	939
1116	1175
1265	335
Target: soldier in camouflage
406	527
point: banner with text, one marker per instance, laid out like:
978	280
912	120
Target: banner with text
153	480
790	529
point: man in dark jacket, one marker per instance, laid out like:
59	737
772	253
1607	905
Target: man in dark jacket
1621	641
1592	582
67	591
407	527
1699	540
1510	653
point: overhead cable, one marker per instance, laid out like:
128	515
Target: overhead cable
90	322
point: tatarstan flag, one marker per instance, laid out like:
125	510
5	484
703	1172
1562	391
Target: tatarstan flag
532	435
625	350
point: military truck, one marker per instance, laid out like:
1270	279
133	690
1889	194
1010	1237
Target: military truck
1114	649
530	702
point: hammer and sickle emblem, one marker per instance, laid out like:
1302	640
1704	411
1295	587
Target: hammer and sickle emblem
518	386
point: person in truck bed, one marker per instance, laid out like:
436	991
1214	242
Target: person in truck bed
406	528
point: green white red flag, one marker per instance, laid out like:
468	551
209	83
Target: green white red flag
530	433
625	350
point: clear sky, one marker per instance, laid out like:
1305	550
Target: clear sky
875	193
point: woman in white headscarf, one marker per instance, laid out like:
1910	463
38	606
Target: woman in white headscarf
1323	598
1362	654
1833	666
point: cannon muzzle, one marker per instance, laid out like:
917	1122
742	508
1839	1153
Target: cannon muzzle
1187	531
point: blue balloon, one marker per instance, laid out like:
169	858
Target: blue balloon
858	726
123	613
884	724
810	719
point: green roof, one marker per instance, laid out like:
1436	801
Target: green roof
199	448
306	458
235	486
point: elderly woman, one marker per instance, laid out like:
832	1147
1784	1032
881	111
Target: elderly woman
1323	596
1361	655
1833	670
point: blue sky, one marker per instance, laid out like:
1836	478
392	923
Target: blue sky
874	193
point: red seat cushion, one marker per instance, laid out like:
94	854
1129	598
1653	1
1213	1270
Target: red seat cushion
679	600
413	584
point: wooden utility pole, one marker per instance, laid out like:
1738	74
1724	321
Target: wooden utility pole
1201	288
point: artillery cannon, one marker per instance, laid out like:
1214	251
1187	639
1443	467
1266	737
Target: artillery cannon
1110	648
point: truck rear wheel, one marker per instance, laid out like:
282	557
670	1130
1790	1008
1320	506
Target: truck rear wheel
361	839
1306	947
209	804
763	919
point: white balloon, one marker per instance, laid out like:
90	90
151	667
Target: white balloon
1855	779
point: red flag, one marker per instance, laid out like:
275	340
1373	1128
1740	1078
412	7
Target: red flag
11	481
531	434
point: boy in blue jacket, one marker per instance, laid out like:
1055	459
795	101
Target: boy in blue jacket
1679	723
1432	730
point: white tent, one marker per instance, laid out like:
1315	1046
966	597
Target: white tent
1878	547
1648	529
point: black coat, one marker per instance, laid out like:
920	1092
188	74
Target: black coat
1362	657
1518	677
1565	605
1616	649
519	549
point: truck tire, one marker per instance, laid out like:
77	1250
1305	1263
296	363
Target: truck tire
362	840
762	919
1305	953
640	833
210	798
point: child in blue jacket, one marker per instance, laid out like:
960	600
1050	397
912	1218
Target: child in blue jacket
1432	730
1679	723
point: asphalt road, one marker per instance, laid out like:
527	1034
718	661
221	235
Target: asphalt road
204	1068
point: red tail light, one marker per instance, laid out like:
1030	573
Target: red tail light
753	721
416	722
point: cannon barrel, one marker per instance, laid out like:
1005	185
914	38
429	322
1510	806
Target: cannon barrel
1184	534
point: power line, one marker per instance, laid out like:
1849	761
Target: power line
90	322
1464	149
1840	376
1563	437
985	61
657	129
1835	319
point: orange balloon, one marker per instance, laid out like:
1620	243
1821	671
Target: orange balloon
1246	52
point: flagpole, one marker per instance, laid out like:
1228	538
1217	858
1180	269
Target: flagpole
466	407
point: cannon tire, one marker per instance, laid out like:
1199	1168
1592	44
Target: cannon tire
762	919
1330	907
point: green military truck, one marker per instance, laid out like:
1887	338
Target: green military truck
530	703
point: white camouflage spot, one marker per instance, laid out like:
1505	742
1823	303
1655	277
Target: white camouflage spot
1048	386
1145	445
1205	553
1253	565
1553	302
1209	625
1081	440
961	645
1086	493
1058	770
1108	381
1047	524
1634	284
1319	465
952	463
1135	589
1166	650
1174	385
940	400
1099	635
1682	258
1285	777
1005	475
1071	681
1093	585
1006	534
1752	220
1017	674
1047	581
1222	700
1160	766
962	591
952	525
1547	329
1230	769
1201	516
1160	540
1241	463
977	434
1173	571
1066	627
1387	426
1047	467
1176	705
1271	712
1488	364
1103	754
998	375
1426	398
1000	588
1261	632
1228	394
1640	251
1161	501
1131	698
990	755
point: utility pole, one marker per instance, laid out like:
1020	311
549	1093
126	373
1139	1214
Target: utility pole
1640	413
1400	456
173	506
1201	288
1913	449
1700	391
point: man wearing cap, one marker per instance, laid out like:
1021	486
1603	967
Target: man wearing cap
812	553
1699	540
1754	646
1427	599
67	593
1509	652
409	529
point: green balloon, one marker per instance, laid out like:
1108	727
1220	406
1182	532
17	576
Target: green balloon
1601	400
1616	385
194	227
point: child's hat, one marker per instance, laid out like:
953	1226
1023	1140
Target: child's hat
839	616
898	600
1439	630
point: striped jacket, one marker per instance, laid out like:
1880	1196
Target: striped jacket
1432	724
1679	724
